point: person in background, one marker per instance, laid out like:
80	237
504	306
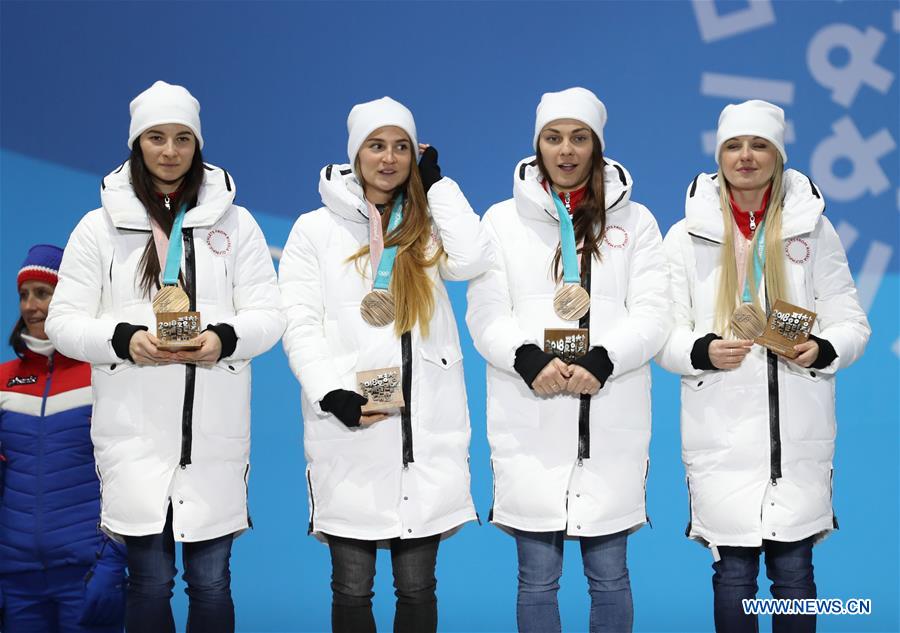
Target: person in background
757	427
58	572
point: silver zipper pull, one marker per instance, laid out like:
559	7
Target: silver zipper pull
568	202
167	202
752	221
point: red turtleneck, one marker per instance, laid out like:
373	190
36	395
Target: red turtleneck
575	197
742	218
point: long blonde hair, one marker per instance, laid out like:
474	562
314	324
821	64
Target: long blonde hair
728	297
410	285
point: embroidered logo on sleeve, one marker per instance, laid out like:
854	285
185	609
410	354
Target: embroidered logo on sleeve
18	381
797	250
219	242
616	236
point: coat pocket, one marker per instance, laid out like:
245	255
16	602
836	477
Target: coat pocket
702	428
118	399
225	400
807	404
439	391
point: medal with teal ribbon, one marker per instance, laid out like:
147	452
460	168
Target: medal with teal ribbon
748	321
377	307
571	301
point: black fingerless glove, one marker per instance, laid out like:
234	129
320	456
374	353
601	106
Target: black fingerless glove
227	336
700	352
530	360
121	339
826	353
597	362
429	170
345	405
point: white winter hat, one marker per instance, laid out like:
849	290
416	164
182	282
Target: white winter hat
367	117
573	103
164	103
752	118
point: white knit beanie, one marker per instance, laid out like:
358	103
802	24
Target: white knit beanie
752	118
367	117
164	103
573	103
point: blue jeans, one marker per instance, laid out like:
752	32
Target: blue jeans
47	601
151	577
788	566
353	575
540	568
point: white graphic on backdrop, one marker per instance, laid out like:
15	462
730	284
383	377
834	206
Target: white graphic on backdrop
846	80
715	26
866	176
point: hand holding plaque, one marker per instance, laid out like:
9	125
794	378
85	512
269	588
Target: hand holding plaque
788	325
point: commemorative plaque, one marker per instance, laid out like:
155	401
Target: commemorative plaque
568	344
788	325
383	388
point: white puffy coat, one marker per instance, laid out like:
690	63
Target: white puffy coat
757	441
171	431
406	476
542	480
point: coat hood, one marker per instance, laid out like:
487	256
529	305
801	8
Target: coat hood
803	205
534	202
126	211
342	194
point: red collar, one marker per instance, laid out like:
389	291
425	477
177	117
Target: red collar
172	196
742	218
575	197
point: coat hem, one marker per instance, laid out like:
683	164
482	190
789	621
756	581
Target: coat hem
632	523
819	530
118	533
446	528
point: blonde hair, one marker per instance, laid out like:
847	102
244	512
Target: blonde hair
728	297
410	285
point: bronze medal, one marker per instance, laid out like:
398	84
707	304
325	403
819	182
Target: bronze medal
571	302
377	308
748	321
171	299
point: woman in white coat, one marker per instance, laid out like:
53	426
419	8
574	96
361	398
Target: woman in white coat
171	430
401	477
569	436
758	428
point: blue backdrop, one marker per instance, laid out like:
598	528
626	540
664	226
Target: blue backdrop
276	81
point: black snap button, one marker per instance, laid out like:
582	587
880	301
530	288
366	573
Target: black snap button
113	366
444	360
410	531
181	502
406	498
773	503
700	384
577	494
182	535
578	526
773	533
813	374
231	367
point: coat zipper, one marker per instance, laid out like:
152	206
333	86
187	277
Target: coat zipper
774	420
39	515
190	371
312	500
406	414
247	493
584	405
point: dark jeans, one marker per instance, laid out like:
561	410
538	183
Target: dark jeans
353	576
151	577
789	567
540	568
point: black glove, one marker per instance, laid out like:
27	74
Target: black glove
826	353
530	360
345	405
598	363
227	336
429	170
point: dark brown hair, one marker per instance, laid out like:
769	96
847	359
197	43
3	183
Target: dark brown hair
15	339
145	190
589	217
